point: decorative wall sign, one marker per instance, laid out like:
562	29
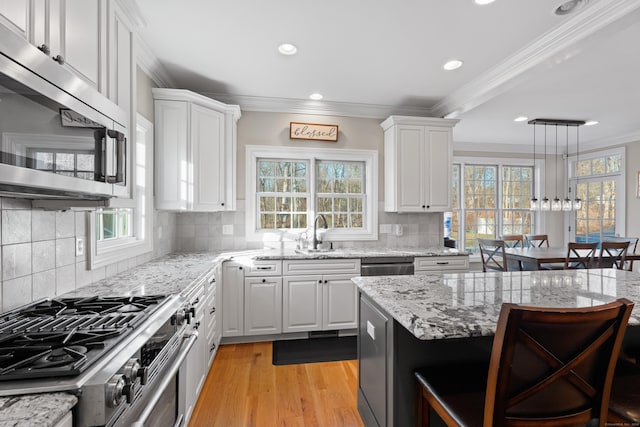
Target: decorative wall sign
313	131
70	118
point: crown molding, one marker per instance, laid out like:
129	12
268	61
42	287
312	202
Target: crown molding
609	142
503	76
492	147
133	13
149	63
321	108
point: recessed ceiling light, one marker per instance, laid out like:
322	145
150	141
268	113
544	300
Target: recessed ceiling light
287	49
520	119
591	123
316	96
483	2
454	64
570	6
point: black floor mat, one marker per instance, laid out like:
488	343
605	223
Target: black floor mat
288	352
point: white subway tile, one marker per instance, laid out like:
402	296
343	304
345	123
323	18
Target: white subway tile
65	224
65	279
16	292
16	226
44	284
16	260
43	255
43	225
65	251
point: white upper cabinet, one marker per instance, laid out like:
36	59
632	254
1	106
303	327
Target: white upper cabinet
417	164
72	32
195	152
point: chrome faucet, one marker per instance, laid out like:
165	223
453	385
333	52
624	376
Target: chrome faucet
315	233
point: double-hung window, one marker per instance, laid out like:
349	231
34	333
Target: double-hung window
489	200
288	187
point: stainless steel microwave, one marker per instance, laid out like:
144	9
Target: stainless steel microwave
60	138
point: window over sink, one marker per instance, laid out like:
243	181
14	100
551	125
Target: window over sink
288	186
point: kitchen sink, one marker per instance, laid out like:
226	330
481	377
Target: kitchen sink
315	251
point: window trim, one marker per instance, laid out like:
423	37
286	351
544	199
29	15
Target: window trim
114	250
500	162
370	223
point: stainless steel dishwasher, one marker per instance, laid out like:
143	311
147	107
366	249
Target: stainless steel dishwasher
386	266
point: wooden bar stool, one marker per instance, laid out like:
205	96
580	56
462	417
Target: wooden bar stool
548	367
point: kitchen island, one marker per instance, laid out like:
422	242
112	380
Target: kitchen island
406	322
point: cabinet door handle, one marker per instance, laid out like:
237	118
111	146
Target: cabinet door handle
196	301
44	49
213	310
423	206
264	280
196	325
319	281
213	347
59	59
325	281
239	268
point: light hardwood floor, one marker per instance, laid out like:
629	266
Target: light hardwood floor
244	389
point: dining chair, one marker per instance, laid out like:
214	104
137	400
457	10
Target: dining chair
613	254
548	366
624	401
633	245
513	240
537	240
492	254
580	255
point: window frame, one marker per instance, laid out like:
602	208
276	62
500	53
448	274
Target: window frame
102	253
370	221
538	177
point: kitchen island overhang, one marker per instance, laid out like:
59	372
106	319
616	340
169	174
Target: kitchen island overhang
406	322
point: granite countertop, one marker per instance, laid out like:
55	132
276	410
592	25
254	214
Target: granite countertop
42	410
169	275
346	253
459	305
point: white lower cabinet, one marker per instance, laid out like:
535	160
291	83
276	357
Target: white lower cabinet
232	300
262	305
339	302
314	302
302	303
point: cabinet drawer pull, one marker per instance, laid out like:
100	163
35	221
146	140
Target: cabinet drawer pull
213	347
265	268
196	325
213	310
196	301
442	262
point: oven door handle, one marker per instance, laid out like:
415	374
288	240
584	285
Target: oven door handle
190	341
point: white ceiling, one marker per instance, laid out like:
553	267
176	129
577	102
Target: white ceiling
374	58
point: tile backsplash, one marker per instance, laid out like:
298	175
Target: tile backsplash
226	231
38	251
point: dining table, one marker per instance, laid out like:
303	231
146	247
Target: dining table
536	258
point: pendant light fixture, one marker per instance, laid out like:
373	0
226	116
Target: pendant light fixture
556	205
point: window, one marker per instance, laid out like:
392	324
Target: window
489	200
113	223
124	230
287	187
340	193
282	193
600	179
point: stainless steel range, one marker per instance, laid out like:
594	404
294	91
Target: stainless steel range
118	355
